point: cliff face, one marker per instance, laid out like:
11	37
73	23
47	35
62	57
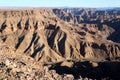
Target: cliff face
87	15
109	17
40	34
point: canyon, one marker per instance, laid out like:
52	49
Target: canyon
82	42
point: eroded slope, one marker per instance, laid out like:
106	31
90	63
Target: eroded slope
40	34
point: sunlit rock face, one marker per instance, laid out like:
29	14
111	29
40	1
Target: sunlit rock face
53	35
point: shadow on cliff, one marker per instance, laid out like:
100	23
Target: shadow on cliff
115	24
104	70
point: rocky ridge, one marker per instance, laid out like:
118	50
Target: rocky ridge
21	67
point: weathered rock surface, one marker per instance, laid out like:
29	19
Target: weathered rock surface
41	35
109	17
21	67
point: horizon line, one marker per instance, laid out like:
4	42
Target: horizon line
53	7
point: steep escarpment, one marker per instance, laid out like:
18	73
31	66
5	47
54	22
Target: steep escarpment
24	33
109	17
40	34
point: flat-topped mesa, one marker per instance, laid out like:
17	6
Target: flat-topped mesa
6	13
40	34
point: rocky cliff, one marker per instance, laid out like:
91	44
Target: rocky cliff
40	34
